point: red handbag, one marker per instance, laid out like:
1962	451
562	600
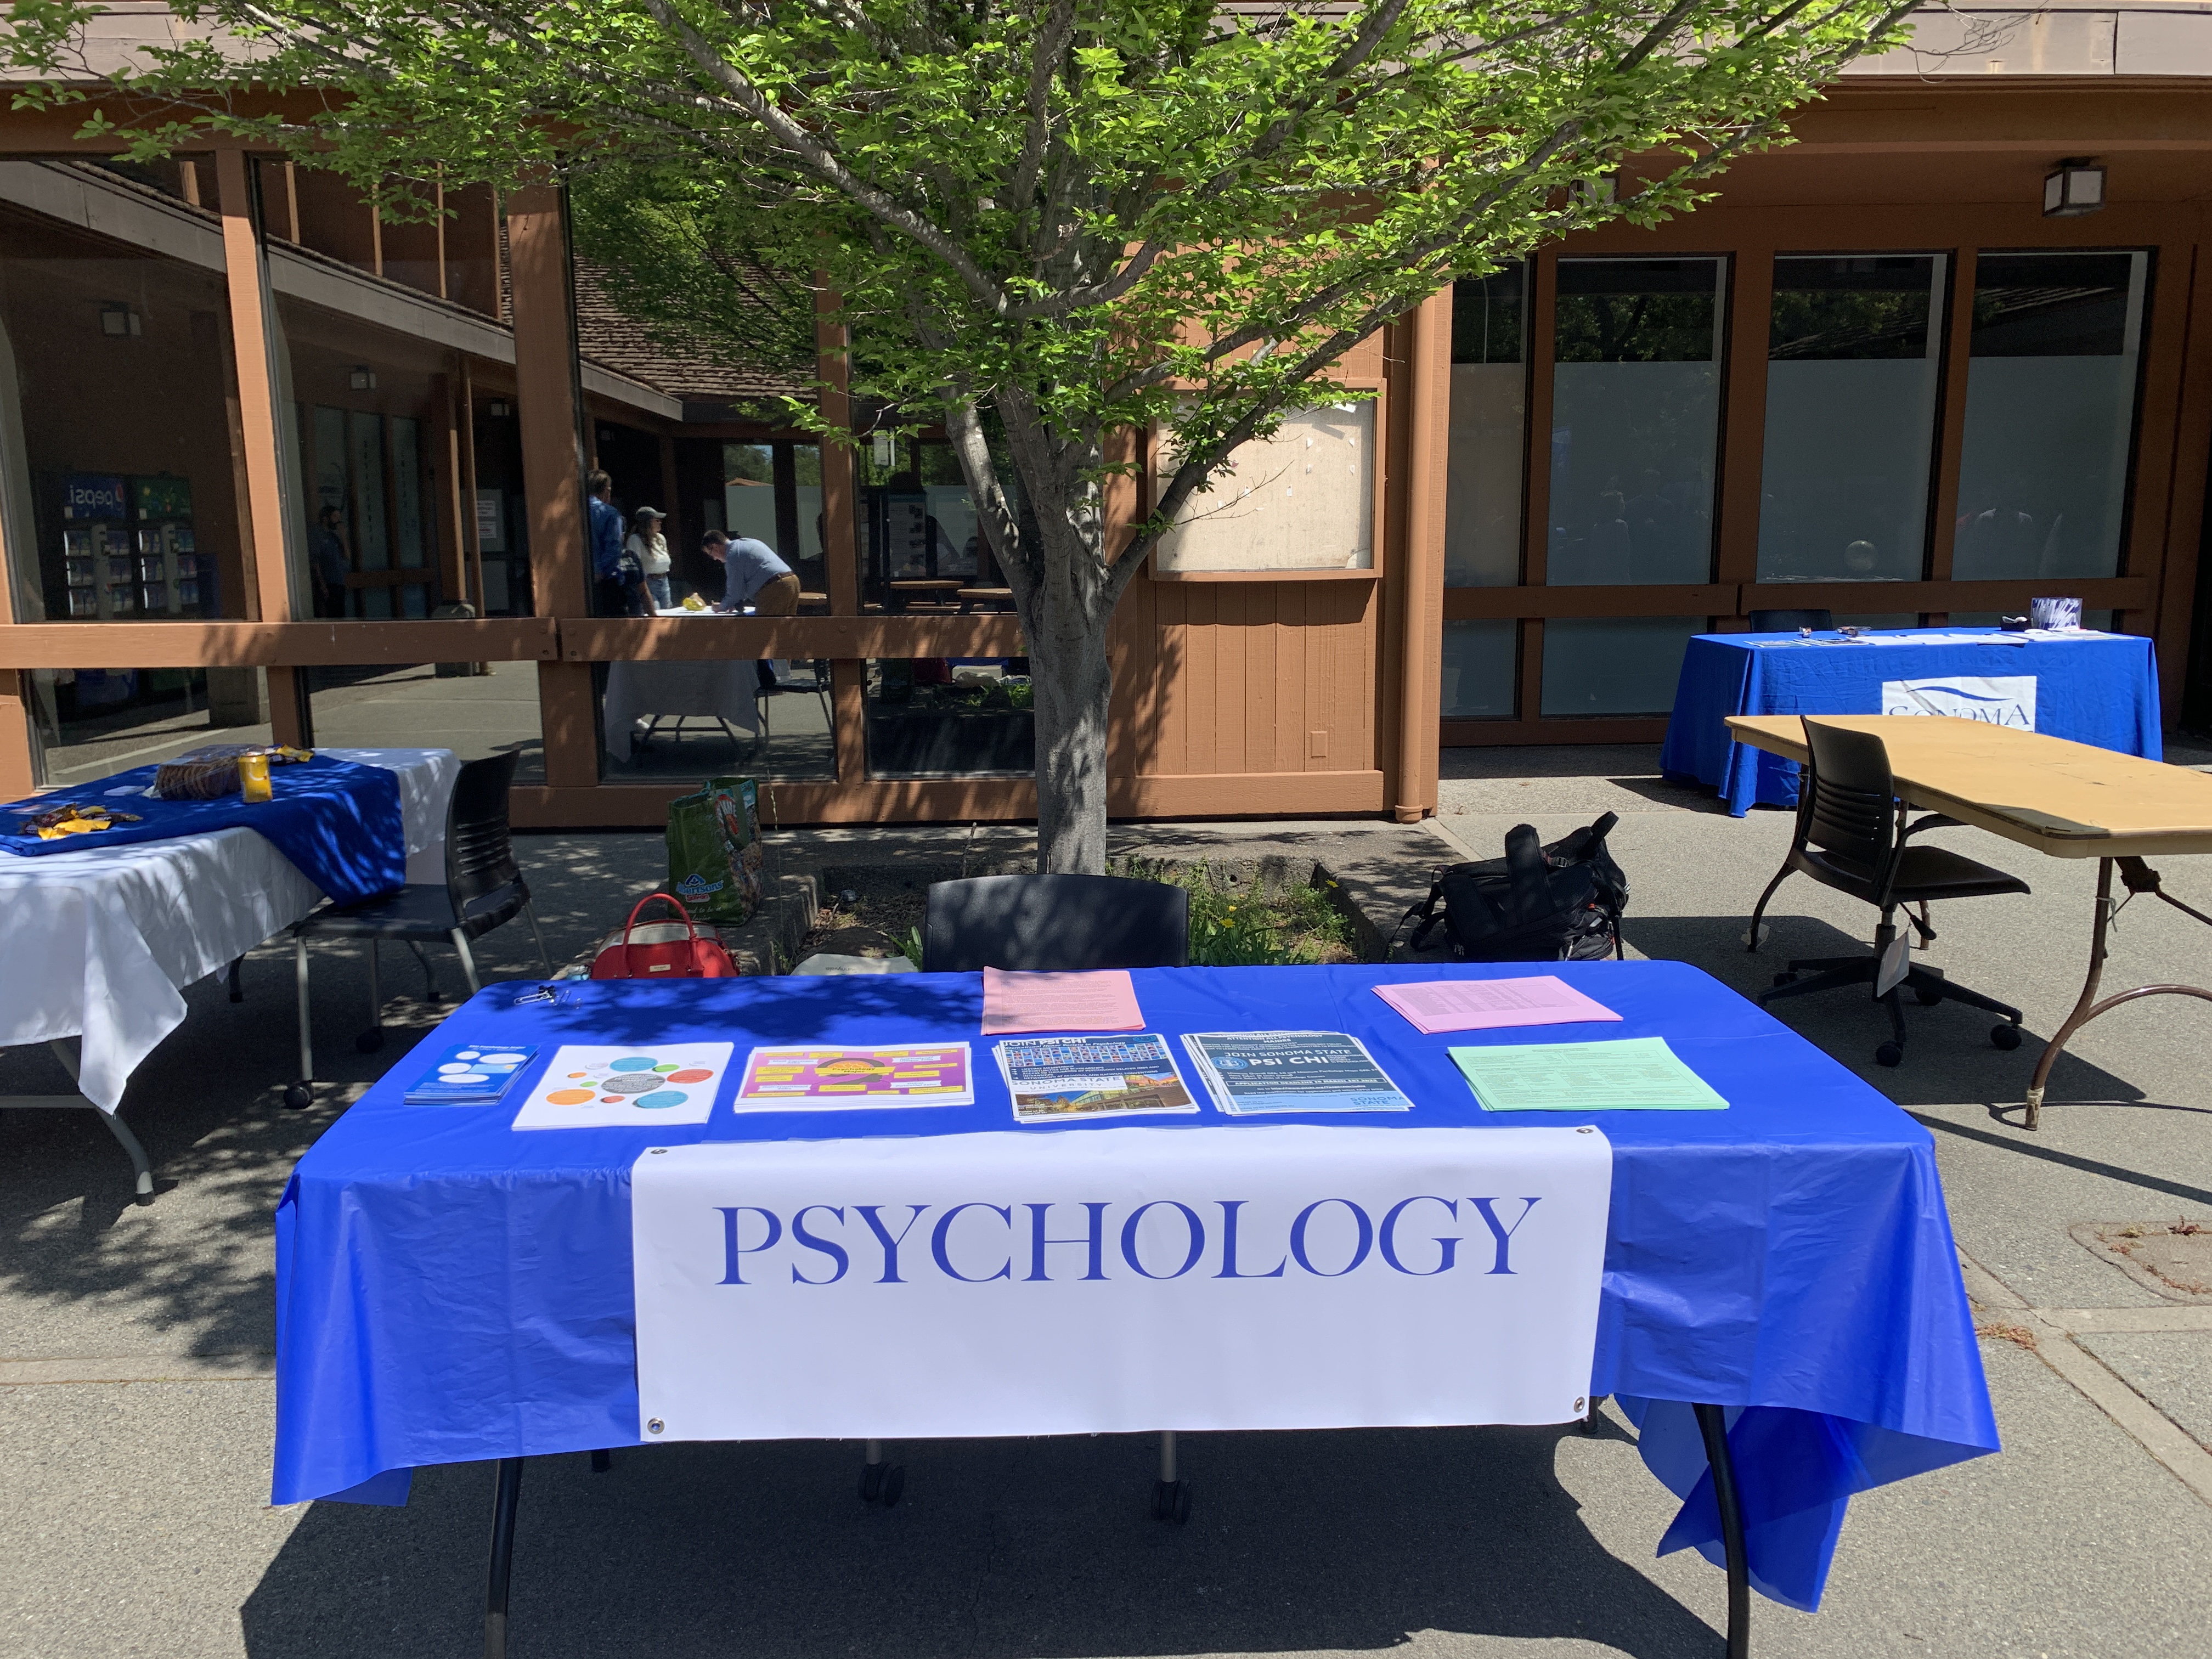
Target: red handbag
660	950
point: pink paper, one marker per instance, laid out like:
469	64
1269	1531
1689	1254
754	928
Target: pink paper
1102	1001
1482	1005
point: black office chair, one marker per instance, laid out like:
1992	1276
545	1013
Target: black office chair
483	890
1852	837
1048	924
1784	622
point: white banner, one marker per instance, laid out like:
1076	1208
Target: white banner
1995	700
1259	1277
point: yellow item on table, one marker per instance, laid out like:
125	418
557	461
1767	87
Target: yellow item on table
693	602
254	778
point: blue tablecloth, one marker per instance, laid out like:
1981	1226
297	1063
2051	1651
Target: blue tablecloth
449	1290
2099	689
338	820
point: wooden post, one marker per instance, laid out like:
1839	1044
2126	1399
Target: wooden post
253	323
471	531
1421	572
546	408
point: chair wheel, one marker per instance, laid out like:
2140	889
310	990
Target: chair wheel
297	1096
1171	1501
894	1486
1786	976
1890	1054
2005	1037
368	1042
871	1481
1926	999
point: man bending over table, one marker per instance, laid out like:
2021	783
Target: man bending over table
752	574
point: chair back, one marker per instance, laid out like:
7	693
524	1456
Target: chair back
1785	622
1048	924
1848	799
479	858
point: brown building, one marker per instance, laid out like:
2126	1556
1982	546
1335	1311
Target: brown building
254	435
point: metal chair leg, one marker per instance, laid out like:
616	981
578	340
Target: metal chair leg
538	933
302	1091
1759	910
507	1494
1713	1424
468	962
236	994
430	991
140	1167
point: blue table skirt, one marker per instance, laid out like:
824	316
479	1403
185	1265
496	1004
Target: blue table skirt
2099	689
451	1291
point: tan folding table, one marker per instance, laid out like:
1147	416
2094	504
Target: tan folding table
2069	800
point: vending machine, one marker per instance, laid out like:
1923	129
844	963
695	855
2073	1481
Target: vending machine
175	577
98	565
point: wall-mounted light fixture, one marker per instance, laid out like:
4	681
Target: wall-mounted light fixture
363	378
497	409
119	322
2074	187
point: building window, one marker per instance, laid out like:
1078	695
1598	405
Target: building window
1489	429
2051	397
1855	358
1616	665
1303	500
1481	668
1636	395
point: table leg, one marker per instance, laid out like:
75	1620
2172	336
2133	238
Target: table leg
2140	879
1712	1424
505	1496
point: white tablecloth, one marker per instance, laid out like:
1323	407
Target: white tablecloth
102	943
636	689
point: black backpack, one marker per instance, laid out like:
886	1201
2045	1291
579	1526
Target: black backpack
1556	903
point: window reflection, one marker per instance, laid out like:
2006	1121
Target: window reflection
922	547
1614	665
1635	420
1481	668
2050	393
950	717
1489	423
1853	357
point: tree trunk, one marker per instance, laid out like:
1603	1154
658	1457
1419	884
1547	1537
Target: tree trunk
1075	686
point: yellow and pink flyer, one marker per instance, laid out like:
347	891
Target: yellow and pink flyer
827	1078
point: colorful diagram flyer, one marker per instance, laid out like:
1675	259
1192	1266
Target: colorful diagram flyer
1085	1077
1248	1071
828	1079
595	1088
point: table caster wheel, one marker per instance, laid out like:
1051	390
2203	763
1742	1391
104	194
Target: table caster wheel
894	1487
2005	1037
297	1096
1890	1054
871	1481
602	1461
1786	976
1171	1501
368	1042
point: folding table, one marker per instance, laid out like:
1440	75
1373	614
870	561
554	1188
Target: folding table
105	941
2069	800
1781	1309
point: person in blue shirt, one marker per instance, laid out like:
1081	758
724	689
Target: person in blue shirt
617	587
753	575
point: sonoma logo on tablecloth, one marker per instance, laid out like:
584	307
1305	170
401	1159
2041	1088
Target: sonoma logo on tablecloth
1995	700
1117	1279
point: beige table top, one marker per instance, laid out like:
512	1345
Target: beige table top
2069	800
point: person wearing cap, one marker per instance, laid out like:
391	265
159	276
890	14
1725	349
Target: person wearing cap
650	548
753	575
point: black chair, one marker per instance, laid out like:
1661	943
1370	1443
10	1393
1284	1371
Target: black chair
1045	924
483	890
1783	621
1852	837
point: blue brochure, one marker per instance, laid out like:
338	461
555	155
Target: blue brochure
471	1074
1248	1071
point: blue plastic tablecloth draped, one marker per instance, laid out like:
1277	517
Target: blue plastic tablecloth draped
2099	689
449	1290
337	820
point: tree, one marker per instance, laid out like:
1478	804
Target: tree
1063	221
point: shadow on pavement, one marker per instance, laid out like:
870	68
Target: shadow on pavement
1329	1542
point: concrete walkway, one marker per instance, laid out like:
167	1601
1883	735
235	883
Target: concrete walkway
137	1407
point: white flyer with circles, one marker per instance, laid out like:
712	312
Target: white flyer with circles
587	1087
